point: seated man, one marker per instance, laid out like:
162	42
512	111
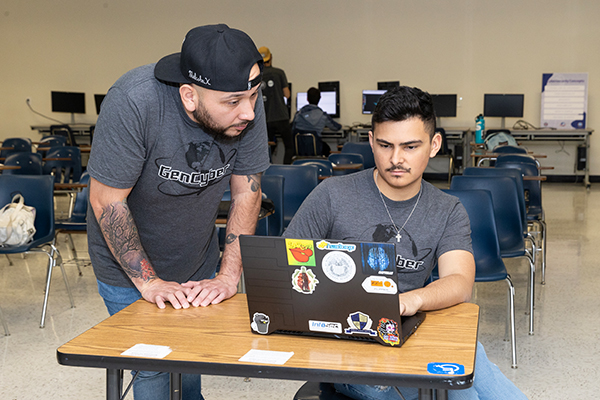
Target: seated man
312	118
392	203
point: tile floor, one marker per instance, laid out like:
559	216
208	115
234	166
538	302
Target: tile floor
559	362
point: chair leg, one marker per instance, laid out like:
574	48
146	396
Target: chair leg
74	252
6	332
51	265
10	263
511	321
543	246
531	292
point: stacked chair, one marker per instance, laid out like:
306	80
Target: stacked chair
362	148
325	166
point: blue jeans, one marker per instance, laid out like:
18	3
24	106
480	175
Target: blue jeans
489	384
149	385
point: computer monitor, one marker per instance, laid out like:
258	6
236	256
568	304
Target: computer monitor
68	102
444	105
98	98
370	98
503	105
331	86
328	102
387	85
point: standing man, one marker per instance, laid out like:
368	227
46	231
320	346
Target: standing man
428	227
169	140
312	118
276	94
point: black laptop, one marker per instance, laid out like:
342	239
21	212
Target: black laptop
324	288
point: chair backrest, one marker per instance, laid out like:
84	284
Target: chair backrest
325	166
28	163
484	236
38	192
497	137
518	180
79	212
307	143
527	165
64	130
272	187
15	145
300	180
506	207
64	171
362	148
346	158
508	149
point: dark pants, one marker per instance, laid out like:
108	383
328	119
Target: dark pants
283	129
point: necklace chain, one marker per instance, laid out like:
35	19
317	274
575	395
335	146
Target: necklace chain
398	235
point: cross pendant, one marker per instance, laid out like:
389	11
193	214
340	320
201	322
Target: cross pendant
398	237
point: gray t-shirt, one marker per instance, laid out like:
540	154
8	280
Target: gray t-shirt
145	140
349	208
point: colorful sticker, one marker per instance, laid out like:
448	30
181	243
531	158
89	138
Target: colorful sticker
378	258
359	323
446	369
260	323
325	245
338	266
300	252
304	281
324	326
380	285
388	331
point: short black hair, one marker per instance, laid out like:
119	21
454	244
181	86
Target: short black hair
313	96
403	103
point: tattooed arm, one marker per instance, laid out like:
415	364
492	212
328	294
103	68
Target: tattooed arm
120	232
243	214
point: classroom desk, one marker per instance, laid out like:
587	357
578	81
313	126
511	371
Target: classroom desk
345	167
212	340
80	129
267	208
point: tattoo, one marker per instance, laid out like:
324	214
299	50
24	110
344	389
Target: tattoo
254	181
121	234
230	238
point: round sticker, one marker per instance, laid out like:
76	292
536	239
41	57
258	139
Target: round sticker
338	266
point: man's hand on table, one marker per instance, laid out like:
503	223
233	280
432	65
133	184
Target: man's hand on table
159	292
210	291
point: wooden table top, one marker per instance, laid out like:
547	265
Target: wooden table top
342	167
212	340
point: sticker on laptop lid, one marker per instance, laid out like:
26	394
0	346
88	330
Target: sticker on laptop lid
338	266
446	369
388	331
260	323
379	285
378	258
304	281
325	245
300	252
359	323
325	326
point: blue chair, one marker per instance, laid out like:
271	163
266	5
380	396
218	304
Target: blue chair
50	141
38	192
489	266
300	180
64	171
346	158
308	143
6	332
272	188
509	149
362	148
509	222
325	166
28	163
15	145
529	166
77	221
446	152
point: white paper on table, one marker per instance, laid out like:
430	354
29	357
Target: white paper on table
267	357
147	351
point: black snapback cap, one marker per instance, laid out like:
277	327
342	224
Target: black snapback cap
215	57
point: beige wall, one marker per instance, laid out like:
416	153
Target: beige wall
468	47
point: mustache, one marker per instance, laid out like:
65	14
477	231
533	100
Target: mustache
398	167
